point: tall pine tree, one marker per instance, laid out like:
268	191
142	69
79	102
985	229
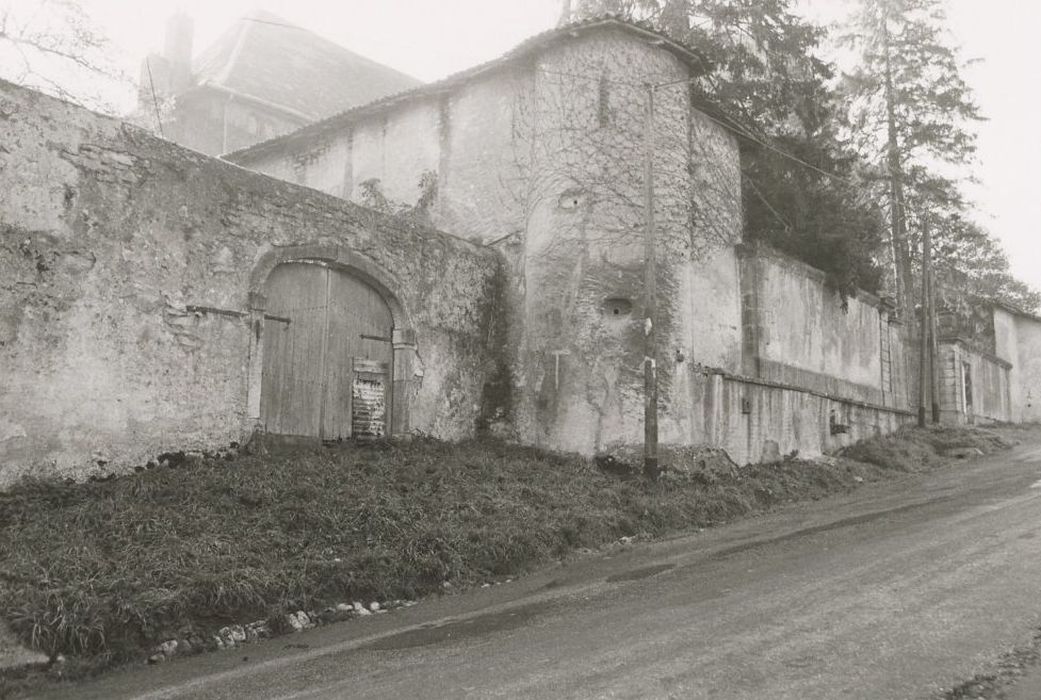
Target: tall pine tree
910	113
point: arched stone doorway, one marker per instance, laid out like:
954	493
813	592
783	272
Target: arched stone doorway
332	354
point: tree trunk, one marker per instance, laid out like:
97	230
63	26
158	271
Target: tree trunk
897	216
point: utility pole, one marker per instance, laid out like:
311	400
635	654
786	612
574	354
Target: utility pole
934	353
925	367
650	369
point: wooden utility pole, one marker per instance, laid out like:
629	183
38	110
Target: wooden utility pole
927	262
650	278
925	366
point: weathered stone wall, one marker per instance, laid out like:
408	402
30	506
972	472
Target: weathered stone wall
131	294
899	365
959	366
756	420
545	161
584	134
466	138
798	333
1018	341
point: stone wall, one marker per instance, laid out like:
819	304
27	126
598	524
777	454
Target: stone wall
1018	341
131	294
544	159
757	420
797	332
973	385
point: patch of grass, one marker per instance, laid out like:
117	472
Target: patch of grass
102	571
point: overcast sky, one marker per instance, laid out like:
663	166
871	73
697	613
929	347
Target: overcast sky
432	38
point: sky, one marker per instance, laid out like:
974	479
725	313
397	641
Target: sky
433	38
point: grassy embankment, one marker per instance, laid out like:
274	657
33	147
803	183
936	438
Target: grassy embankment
102	571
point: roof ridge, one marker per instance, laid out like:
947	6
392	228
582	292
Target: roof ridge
245	29
691	55
271	19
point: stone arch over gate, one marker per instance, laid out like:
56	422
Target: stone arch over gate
404	364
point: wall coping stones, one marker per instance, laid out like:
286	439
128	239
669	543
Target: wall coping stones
969	346
760	249
803	390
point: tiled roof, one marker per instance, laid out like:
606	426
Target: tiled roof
691	57
266	58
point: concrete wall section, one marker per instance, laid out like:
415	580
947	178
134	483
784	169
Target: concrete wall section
1018	341
131	294
899	376
973	385
760	421
798	333
1028	369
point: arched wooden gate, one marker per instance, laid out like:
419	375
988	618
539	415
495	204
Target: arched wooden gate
327	355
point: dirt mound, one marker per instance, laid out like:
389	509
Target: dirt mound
914	449
678	463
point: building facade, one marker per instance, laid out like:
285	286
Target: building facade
544	155
541	155
163	300
262	78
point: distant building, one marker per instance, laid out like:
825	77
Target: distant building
262	78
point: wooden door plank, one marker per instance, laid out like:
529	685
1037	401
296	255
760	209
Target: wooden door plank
356	309
291	386
308	374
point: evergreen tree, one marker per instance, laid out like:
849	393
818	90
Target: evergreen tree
54	46
910	114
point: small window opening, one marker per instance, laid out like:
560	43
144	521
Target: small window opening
617	307
571	199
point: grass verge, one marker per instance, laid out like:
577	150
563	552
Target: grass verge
102	571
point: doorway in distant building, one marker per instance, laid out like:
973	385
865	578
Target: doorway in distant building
327	355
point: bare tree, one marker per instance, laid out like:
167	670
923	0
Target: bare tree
54	46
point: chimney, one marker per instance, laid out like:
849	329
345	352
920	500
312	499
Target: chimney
177	50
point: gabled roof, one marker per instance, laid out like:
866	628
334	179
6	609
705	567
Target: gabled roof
697	62
273	61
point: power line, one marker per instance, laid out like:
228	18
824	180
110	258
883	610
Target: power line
745	131
762	198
